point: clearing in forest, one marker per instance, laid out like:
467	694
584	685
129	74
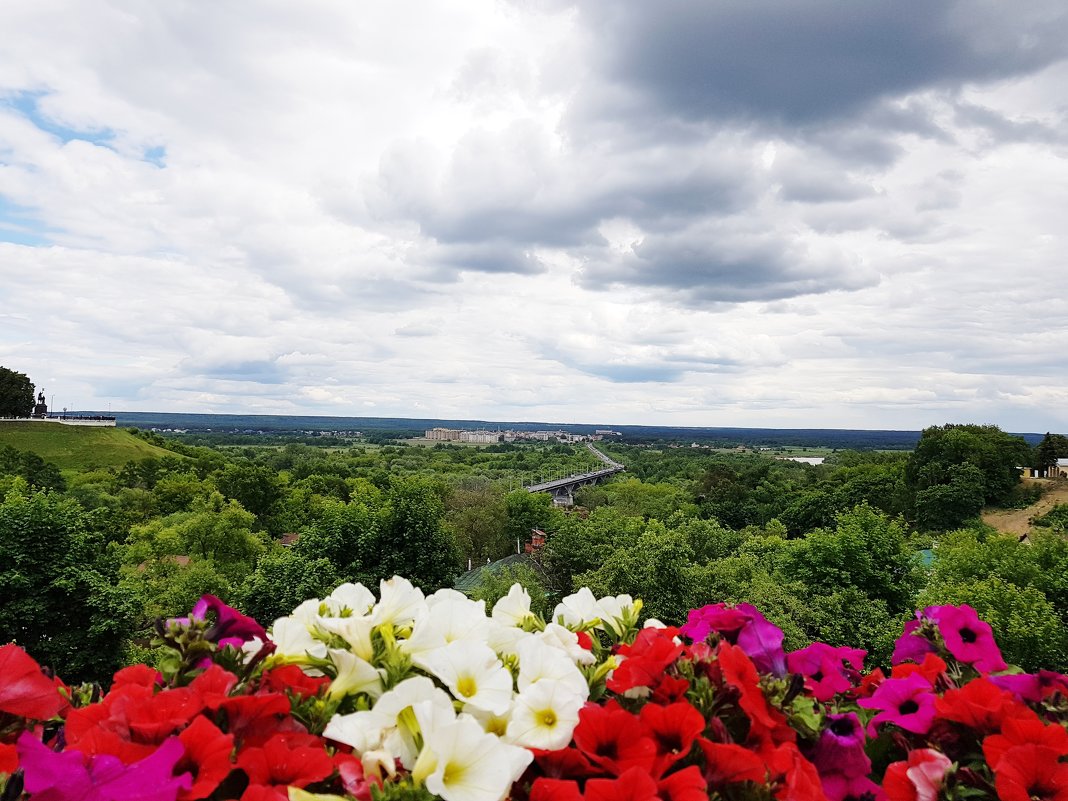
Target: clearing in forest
1018	521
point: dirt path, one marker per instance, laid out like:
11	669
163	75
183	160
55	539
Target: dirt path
1018	521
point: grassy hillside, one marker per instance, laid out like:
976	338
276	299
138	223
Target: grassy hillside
78	447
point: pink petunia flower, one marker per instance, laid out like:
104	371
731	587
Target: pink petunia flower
908	703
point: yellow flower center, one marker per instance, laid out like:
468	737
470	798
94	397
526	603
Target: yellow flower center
466	686
547	717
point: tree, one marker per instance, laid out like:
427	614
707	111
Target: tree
943	450
58	595
1049	450
16	394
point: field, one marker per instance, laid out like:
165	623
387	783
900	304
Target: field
78	447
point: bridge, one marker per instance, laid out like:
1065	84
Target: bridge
563	489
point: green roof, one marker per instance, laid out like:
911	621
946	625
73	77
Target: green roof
467	581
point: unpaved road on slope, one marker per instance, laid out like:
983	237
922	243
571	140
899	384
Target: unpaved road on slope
1018	521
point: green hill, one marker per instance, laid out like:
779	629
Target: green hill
78	448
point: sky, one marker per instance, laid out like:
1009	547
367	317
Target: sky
770	213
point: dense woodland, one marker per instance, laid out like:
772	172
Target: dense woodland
841	552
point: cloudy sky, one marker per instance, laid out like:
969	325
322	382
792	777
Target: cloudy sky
816	213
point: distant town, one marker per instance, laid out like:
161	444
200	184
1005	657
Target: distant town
486	437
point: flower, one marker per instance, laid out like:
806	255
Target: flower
473	674
825	669
71	776
745	626
461	762
912	645
286	759
979	704
840	748
24	690
230	626
674	729
514	608
545	715
354	675
614	739
918	779
968	638
908	703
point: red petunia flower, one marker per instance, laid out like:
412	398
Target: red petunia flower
141	675
254	719
919	779
207	757
614	739
633	784
545	789
564	763
24	690
9	758
727	763
1024	729
674	729
795	777
740	674
979	704
686	785
213	686
645	660
1031	773
288	759
291	679
931	668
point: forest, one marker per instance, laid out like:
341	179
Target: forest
840	552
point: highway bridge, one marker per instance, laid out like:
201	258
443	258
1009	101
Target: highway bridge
563	489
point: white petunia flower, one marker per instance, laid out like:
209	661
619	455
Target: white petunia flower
577	609
293	642
567	641
391	724
544	716
618	613
400	602
449	594
448	621
540	662
513	608
461	762
354	675
472	671
356	631
489	721
505	639
354	597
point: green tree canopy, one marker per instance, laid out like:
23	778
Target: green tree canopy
16	394
943	449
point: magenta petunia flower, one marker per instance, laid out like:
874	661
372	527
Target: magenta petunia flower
838	787
908	703
967	638
1032	687
66	776
826	669
713	617
742	625
911	646
840	749
231	627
